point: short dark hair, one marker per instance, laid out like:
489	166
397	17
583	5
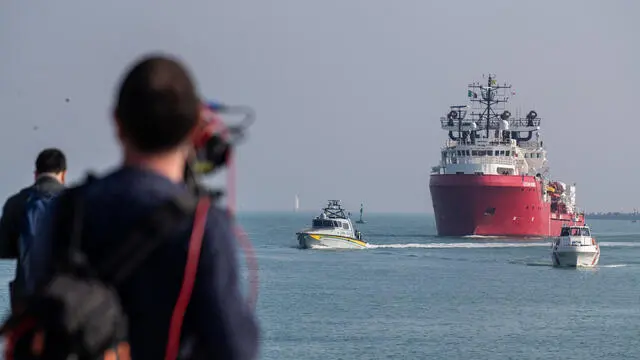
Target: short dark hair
51	160
157	104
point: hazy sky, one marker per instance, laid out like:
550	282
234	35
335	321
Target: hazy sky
348	92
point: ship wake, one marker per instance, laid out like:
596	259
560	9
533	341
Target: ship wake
467	245
480	245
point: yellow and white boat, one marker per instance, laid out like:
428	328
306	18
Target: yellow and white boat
332	229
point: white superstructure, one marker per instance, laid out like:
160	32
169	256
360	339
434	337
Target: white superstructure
490	141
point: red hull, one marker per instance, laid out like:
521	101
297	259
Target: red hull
494	205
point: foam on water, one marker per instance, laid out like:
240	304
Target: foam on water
477	245
617	243
455	245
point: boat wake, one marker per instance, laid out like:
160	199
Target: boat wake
473	245
476	245
455	245
620	243
613	265
550	264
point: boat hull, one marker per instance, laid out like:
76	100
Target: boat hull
584	256
326	241
494	205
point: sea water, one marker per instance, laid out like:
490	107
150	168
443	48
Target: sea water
413	295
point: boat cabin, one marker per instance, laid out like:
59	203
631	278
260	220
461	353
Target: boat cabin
575	231
574	236
320	223
334	219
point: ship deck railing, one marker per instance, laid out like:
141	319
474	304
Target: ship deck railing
453	143
531	144
483	160
494	124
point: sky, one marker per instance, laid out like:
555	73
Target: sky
348	93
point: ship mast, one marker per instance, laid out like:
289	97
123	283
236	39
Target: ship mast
489	97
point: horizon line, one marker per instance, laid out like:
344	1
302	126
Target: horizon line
315	211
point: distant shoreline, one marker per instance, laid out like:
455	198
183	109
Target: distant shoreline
613	216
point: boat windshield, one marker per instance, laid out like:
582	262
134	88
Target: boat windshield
575	231
321	223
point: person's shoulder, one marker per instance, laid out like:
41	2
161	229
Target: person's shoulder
18	198
219	229
133	184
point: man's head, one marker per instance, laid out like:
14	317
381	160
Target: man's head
51	162
157	111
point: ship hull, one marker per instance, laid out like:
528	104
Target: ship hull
494	205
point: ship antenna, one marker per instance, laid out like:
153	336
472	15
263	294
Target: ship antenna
489	97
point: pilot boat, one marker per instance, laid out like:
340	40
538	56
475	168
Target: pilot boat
575	247
331	229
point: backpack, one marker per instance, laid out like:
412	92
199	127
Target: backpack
77	314
35	207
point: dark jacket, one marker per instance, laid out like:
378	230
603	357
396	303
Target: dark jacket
13	214
218	320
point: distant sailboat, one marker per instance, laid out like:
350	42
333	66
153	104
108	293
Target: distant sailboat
360	221
297	204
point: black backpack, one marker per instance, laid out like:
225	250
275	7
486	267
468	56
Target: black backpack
77	314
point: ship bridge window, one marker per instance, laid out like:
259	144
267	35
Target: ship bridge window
580	232
507	153
345	226
474	153
317	223
538	154
489	152
468	153
482	153
501	153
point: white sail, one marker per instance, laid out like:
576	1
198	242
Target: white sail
297	203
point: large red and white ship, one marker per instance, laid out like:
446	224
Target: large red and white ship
493	175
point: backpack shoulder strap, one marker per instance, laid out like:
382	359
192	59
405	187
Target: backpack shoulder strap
188	280
146	237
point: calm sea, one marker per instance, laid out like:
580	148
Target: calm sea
417	296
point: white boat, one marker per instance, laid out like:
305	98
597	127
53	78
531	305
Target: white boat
331	229
575	247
